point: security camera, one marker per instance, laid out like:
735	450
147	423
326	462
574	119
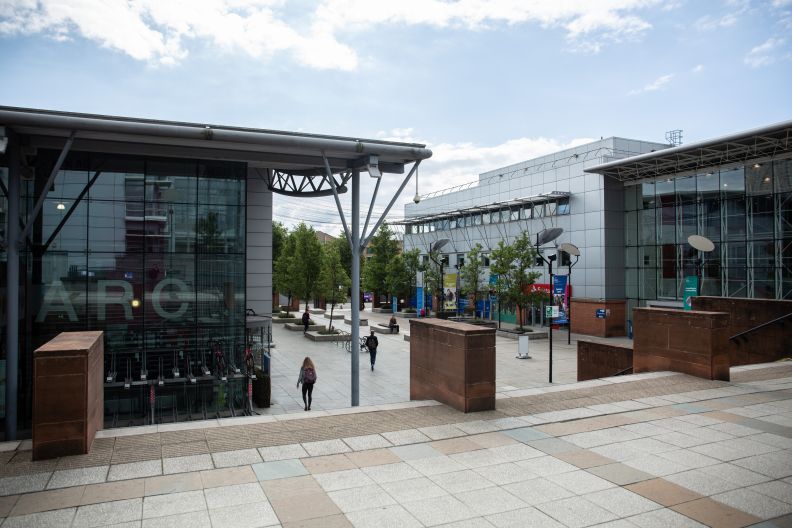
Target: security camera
417	198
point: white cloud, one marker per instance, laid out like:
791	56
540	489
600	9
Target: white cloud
162	31
658	84
451	164
709	23
698	68
767	53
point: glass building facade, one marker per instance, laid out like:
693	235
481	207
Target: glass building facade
746	210
152	252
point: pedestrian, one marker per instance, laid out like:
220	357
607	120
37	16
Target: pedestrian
306	320
372	343
307	378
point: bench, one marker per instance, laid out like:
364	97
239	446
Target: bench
385	329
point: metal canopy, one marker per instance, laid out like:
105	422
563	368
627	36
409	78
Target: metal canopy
766	142
518	202
295	161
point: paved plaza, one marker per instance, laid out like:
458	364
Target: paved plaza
390	381
647	450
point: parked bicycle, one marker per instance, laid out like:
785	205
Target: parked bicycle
220	360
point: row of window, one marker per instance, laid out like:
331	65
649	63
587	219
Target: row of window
511	214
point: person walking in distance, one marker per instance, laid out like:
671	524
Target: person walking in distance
372	343
307	378
306	320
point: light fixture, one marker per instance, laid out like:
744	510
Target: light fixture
3	140
373	167
135	303
757	165
61	206
766	179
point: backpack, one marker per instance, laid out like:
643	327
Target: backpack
371	342
309	375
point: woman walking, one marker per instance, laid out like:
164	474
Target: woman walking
307	378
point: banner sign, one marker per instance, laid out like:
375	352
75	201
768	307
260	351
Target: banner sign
449	291
690	291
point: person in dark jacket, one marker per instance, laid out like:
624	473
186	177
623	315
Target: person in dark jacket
306	320
307	378
372	343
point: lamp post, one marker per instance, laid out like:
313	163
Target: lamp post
571	250
434	247
544	237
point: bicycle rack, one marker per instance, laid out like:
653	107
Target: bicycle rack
206	371
128	379
160	376
143	367
175	370
188	369
111	375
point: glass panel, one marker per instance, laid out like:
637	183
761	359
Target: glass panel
550	208
685	189
563	207
785	214
711	221
687	221
665	192
119	179
708	185
72	236
758	178
782	174
735	219
666	220
170	181
514	214
631	228
59	282
221	183
668	272
736	272
711	272
762	220
648	195
631	197
732	182
786	267
648	234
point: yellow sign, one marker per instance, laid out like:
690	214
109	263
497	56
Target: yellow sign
450	291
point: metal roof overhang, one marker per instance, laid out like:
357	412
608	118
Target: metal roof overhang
286	156
517	202
772	141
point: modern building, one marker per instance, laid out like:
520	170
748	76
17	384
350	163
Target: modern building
629	206
159	234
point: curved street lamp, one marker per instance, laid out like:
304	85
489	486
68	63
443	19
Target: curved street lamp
573	251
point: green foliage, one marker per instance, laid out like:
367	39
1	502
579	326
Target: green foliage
471	274
511	263
284	278
307	262
208	229
333	280
433	279
279	236
383	248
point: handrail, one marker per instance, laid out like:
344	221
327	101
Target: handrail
758	327
623	371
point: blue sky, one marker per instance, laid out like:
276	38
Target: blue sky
483	83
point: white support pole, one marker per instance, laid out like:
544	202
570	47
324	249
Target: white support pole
355	288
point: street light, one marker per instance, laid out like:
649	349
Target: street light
703	245
434	247
545	237
573	251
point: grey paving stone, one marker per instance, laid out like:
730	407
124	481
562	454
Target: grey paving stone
576	512
664	518
338	480
23	483
48	519
553	446
251	516
237	494
326	447
754	503
361	443
507	473
405	436
413	452
240	457
77	477
770	464
580	482
538	491
526	434
546	465
108	513
735	474
461	481
523	518
476	427
391	516
186	464
391	472
620	474
361	498
196	519
435	465
439	510
173	504
778	489
279	469
441	432
413	489
621	502
656	465
702	483
489	501
282	452
149	468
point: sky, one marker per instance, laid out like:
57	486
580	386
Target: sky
483	83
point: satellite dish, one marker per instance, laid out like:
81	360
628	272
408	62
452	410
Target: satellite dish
701	243
572	249
438	244
548	235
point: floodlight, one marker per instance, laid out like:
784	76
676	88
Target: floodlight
3	140
701	243
438	245
571	249
548	235
373	167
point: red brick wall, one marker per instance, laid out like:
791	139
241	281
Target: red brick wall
453	363
771	343
585	321
691	342
600	360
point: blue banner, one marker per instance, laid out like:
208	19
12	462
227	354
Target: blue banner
559	284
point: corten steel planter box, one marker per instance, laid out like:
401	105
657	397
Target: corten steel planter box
68	395
453	363
691	342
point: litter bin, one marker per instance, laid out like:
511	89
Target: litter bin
522	347
629	328
265	362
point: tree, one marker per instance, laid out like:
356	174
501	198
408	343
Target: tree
433	278
307	261
383	248
209	234
412	265
279	236
333	277
511	264
283	272
471	274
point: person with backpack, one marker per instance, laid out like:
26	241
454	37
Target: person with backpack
372	343
307	378
306	320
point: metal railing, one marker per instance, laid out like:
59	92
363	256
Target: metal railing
777	320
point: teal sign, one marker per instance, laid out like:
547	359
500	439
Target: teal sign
690	291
